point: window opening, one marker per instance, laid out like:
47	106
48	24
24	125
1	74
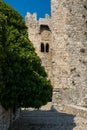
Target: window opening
42	47
47	47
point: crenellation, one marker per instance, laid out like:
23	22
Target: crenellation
31	20
47	16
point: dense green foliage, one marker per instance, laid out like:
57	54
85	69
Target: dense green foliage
23	81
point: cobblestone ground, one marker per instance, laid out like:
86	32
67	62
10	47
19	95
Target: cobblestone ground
48	120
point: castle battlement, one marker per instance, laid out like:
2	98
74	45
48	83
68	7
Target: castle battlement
31	19
31	16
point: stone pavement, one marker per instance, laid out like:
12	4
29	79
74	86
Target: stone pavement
48	120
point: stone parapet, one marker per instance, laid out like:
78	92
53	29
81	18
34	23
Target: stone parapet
76	110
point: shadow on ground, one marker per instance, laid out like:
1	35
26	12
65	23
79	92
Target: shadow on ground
43	120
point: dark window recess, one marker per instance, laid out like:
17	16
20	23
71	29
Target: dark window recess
44	27
47	47
42	47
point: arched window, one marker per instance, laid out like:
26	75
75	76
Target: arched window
47	47
44	27
42	47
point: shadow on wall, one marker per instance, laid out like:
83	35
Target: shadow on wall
44	120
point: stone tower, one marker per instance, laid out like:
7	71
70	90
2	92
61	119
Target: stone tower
40	34
69	43
61	43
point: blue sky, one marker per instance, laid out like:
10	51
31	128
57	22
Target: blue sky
41	7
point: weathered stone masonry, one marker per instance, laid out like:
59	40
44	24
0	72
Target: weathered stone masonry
70	51
41	35
66	60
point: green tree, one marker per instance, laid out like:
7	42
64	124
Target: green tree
23	81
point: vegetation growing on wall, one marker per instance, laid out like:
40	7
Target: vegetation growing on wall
23	81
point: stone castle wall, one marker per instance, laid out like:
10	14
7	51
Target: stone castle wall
39	32
70	51
66	61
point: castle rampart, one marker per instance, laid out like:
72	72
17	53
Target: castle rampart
65	32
